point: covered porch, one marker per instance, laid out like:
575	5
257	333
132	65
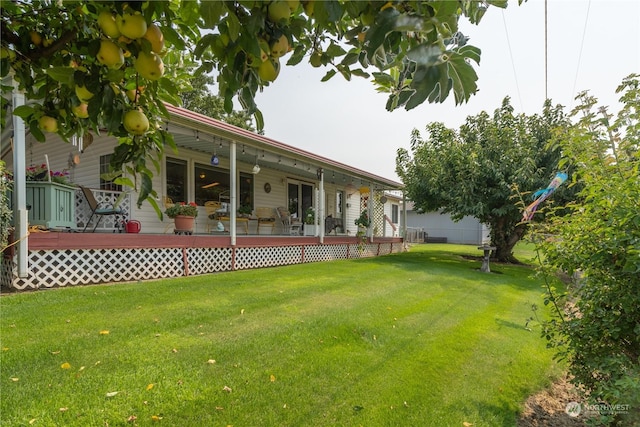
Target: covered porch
243	173
59	259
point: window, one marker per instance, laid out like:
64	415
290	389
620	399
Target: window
177	180
339	203
394	214
245	197
105	169
213	183
210	183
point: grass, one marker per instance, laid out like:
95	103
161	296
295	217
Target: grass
419	338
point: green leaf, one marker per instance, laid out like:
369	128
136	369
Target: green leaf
211	12
61	74
426	54
234	26
335	50
259	120
145	189
385	23
24	111
329	74
464	78
360	73
204	43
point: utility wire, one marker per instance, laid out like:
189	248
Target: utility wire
584	32
513	65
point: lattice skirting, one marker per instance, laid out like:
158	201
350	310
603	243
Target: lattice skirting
59	268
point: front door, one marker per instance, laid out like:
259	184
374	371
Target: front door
300	197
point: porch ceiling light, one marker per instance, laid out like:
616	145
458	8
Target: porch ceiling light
256	167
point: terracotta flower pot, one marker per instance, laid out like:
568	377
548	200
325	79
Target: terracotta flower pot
184	223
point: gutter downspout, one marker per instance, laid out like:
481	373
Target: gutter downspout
403	229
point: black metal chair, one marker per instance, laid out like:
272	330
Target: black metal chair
96	209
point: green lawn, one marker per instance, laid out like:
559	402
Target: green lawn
419	338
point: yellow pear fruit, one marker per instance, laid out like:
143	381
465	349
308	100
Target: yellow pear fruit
278	10
108	24
264	49
110	54
132	25
155	37
269	69
316	59
280	47
134	94
135	122
81	110
293	4
35	37
83	93
149	65
48	124
308	6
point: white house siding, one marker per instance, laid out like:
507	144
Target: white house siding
87	174
466	231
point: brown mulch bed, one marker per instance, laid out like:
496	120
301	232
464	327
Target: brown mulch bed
547	408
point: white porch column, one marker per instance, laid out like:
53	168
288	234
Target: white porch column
321	208
21	215
233	196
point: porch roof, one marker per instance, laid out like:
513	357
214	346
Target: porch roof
205	134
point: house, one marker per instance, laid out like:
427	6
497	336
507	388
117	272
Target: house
216	162
438	227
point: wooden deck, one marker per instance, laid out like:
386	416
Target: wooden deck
59	259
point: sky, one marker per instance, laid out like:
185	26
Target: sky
592	45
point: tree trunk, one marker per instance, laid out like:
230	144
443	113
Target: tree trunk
504	236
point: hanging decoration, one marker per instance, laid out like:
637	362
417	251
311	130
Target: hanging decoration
542	195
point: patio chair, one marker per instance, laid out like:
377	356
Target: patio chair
266	220
213	213
98	209
167	202
289	226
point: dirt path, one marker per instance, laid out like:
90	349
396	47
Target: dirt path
547	408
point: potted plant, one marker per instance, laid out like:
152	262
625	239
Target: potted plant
183	215
244	211
51	197
309	221
363	220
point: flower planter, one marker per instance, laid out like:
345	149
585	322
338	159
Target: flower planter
310	229
184	223
52	204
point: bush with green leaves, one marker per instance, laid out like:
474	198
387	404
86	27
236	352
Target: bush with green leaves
598	325
5	212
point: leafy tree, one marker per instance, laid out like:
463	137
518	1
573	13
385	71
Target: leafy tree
70	56
599	331
201	100
478	170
